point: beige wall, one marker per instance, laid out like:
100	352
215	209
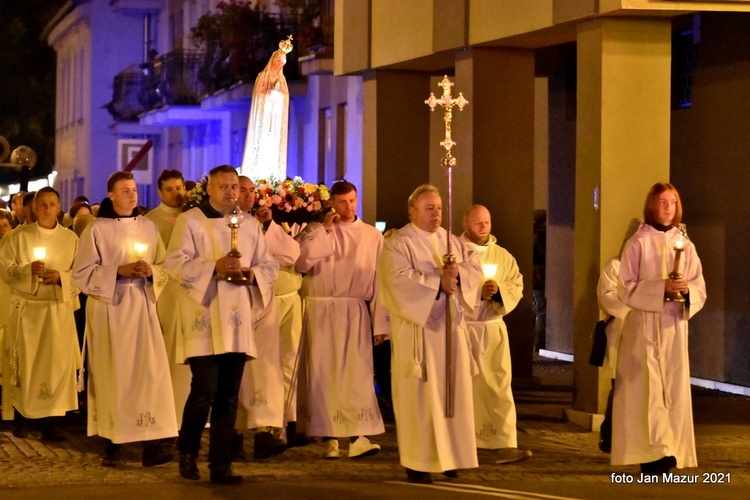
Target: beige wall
493	19
400	31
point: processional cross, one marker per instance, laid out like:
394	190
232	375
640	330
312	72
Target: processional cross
448	162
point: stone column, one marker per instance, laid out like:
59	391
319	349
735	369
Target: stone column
495	151
395	133
622	149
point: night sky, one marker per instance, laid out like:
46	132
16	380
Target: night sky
27	82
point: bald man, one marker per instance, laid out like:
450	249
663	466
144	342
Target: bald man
502	289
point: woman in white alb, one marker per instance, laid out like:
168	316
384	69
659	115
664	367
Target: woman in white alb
652	414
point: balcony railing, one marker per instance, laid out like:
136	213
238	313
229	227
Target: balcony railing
224	59
177	78
128	95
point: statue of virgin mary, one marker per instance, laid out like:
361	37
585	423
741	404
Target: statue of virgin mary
268	125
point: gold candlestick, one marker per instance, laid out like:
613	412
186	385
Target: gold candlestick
679	247
233	220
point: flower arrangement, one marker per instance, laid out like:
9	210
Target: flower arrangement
195	195
292	200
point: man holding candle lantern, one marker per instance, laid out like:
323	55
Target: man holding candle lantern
39	376
120	266
494	408
210	245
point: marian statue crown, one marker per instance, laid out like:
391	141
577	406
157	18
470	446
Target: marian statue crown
286	45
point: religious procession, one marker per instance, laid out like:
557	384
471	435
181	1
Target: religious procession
248	304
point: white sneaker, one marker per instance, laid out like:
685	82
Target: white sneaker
332	449
362	447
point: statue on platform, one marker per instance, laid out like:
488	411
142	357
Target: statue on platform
268	125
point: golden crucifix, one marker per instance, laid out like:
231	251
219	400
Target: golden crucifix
448	162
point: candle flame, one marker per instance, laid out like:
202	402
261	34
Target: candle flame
140	250
489	270
40	253
679	244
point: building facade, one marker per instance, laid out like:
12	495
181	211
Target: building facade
576	107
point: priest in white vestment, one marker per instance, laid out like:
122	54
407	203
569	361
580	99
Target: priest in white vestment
120	266
261	403
502	289
652	421
217	317
340	258
414	287
171	190
41	344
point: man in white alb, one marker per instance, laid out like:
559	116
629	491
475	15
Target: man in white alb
340	256
502	289
171	189
414	287
261	404
217	317
41	344
120	266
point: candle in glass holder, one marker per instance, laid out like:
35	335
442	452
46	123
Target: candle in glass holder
40	253
489	270
140	250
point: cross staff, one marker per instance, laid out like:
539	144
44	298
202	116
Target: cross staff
448	162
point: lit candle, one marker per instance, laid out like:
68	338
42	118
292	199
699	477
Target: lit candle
489	270
233	219
679	243
140	250
40	253
380	225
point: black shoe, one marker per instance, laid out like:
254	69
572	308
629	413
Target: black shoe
188	467
295	439
415	476
50	430
238	447
661	466
451	474
111	455
605	446
155	454
265	445
20	425
225	476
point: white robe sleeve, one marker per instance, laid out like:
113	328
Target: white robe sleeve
159	276
67	291
89	275
693	273
471	276
18	276
282	246
314	245
403	289
510	281
609	302
186	261
640	294
265	268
